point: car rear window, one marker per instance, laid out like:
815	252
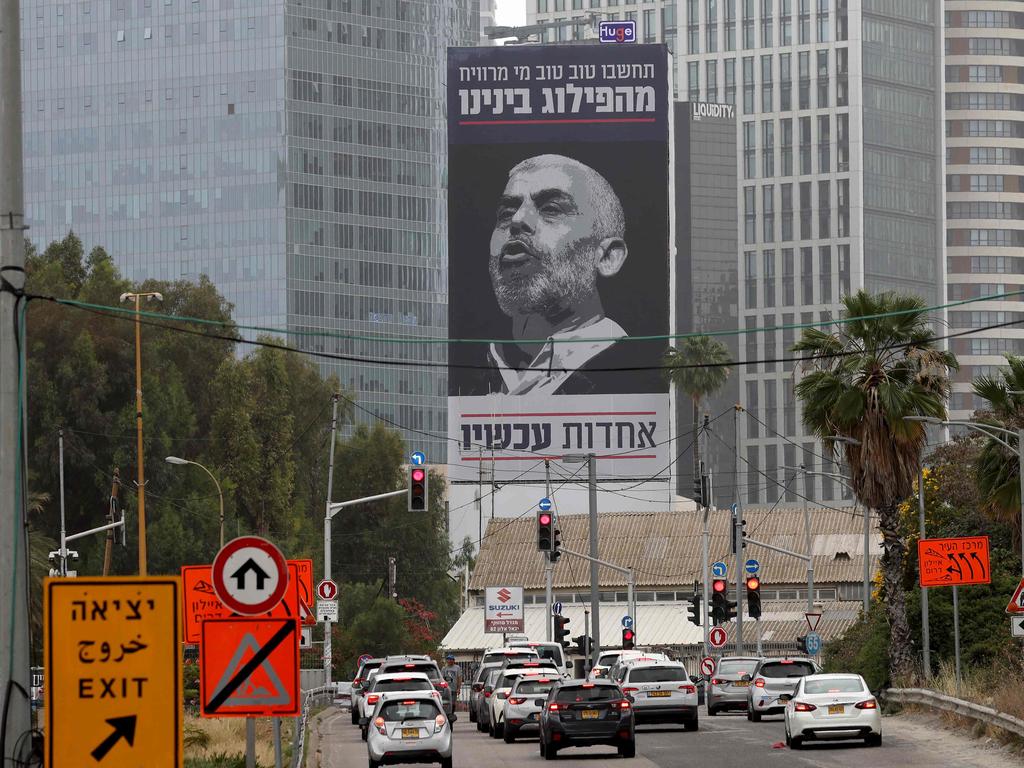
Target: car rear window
368	667
430	670
531	687
658	675
607	659
401	685
835	685
547	653
595	693
736	666
490	658
412	709
784	669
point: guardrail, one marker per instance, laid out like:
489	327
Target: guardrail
940	701
302	721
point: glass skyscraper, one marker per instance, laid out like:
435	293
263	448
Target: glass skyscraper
291	150
840	142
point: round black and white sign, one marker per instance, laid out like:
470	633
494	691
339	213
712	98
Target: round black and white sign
250	575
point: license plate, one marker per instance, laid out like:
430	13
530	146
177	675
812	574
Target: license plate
659	693
836	709
742	684
410	733
590	714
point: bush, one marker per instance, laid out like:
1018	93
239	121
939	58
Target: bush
864	649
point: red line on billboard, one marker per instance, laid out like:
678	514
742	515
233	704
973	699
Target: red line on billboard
566	413
538	456
561	122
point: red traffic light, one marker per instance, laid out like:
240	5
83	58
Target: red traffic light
627	634
718	585
418	475
545	519
753	583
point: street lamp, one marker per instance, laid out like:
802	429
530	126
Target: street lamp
137	298
182	462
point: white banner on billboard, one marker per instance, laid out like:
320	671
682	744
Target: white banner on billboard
503	611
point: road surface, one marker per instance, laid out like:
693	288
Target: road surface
725	741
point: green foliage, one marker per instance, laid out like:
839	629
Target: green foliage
864	649
196	738
216	761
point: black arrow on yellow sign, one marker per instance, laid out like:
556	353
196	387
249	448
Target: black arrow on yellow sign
124	728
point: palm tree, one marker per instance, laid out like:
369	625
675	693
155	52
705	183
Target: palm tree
997	470
859	381
699	368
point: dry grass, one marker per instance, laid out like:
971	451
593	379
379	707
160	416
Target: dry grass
226	736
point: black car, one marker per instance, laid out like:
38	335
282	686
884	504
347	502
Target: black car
578	713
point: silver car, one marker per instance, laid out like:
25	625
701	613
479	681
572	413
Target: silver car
727	688
409	727
773	678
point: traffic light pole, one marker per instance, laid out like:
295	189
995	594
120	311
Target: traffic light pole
737	516
705	621
630	580
548	565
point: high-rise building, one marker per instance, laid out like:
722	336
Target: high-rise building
984	173
291	150
839	159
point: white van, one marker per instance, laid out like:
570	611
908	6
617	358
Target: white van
551	651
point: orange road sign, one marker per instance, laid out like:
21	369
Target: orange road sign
113	668
954	562
201	602
249	666
1016	604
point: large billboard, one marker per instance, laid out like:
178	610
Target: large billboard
558	270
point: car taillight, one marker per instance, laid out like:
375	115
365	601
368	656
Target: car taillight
553	707
487	694
759	682
801	706
869	704
442	684
439	722
516	700
379	725
624	704
688	688
716	681
630	690
373	698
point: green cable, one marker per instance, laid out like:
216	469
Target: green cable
427	340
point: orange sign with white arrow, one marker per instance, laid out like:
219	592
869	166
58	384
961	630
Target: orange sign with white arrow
954	562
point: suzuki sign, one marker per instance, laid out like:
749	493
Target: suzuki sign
503	611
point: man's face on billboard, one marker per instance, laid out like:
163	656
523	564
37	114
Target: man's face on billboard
547	239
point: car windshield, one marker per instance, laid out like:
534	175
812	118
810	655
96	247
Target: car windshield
429	669
784	669
595	693
547	653
738	667
414	709
533	687
658	675
607	659
380	686
834	685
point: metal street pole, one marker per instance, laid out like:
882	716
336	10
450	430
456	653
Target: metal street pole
181	462
63	524
810	559
548	565
595	589
956	636
867	561
925	628
14	641
705	577
738	523
587	665
328	650
1020	474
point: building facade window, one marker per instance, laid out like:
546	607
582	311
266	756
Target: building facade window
749	150
767	97
730	81
768	229
712	79
768	148
767	22
748	85
785	82
786	195
749	215
824	144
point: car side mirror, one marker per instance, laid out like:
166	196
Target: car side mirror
785	698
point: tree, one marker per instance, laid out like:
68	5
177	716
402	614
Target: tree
699	367
998	470
860	381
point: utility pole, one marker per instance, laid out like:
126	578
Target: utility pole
737	520
925	628
480	497
706	570
548	565
328	650
108	548
63	524
595	587
14	641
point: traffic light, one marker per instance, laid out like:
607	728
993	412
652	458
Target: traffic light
545	532
562	630
628	639
801	644
753	597
556	552
418	488
718	601
743	535
583	644
696	604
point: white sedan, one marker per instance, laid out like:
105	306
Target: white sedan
830	707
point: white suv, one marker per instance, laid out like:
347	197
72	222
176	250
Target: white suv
662	691
503	685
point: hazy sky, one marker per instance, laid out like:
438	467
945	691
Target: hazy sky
510	12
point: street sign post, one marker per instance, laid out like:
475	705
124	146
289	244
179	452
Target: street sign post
327	590
503	610
813	641
752	567
707	666
718	637
627	622
1016	604
719	570
1017	626
419	458
954	562
249	667
113	667
250	575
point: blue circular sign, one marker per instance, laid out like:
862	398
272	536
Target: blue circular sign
752	566
627	622
544	504
418	458
556	608
719	570
813	641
